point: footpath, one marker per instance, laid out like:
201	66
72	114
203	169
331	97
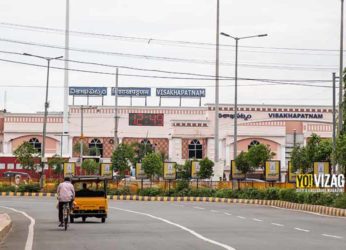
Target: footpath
5	225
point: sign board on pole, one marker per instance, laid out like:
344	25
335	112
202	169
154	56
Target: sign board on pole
321	168
236	174
106	170
69	168
169	171
88	91
272	171
180	92
140	174
292	176
195	167
132	91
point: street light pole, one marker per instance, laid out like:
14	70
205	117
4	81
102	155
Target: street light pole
216	118
235	149
46	105
341	68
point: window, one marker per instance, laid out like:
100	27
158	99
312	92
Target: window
36	144
10	166
253	143
19	166
95	147
195	150
2	165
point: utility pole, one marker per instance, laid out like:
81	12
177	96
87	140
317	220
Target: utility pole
334	119
116	142
81	134
216	132
46	105
66	78
341	87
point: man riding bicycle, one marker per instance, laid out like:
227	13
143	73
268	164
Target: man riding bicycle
66	194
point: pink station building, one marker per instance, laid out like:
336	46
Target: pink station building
181	132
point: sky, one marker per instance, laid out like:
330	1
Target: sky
175	36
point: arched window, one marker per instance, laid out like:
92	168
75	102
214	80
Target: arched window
195	150
96	147
36	144
253	143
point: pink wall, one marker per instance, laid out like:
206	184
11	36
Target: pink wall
51	144
275	147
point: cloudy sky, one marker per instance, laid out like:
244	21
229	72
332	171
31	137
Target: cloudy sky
174	36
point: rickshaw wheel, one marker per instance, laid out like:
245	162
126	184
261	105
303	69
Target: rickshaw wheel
103	220
84	219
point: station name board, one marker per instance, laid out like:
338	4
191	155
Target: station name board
243	116
295	116
88	91
183	92
132	91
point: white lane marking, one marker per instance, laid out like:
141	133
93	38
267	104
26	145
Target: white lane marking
199	236
307	212
200	208
214	211
276	224
301	229
332	236
241	217
257	220
30	239
227	214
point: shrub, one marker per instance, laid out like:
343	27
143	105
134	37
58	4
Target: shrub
182	184
326	199
340	201
271	194
288	195
120	191
225	193
251	193
31	188
150	192
202	192
7	188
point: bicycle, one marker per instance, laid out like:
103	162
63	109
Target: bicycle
66	214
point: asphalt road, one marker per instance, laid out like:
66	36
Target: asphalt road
169	225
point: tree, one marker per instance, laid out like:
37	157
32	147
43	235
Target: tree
242	163
299	160
152	165
316	150
206	168
57	163
76	148
184	171
259	154
122	158
26	155
340	153
141	150
90	166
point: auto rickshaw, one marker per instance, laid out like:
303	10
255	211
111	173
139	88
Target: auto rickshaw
91	197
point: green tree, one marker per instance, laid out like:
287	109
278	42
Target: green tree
299	160
152	165
206	168
90	166
340	153
57	163
141	150
76	148
27	155
122	158
259	154
184	171
242	163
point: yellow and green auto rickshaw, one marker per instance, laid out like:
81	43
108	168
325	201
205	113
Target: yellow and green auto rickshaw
91	197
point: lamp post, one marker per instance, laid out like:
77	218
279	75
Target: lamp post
46	105
341	87
236	86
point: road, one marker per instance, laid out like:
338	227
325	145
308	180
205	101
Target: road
172	225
